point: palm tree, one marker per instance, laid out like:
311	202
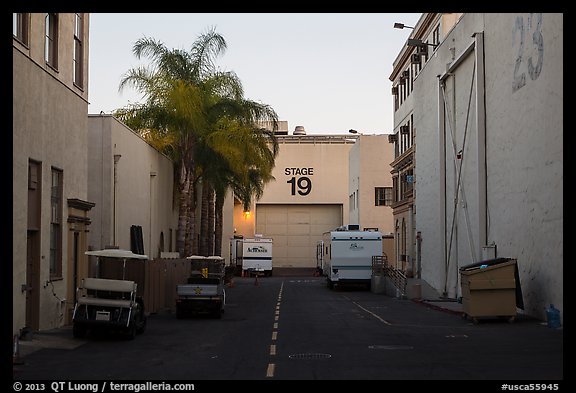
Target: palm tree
199	117
235	154
177	90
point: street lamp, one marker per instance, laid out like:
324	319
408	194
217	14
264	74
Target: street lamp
402	26
418	43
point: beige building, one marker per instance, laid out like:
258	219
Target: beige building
430	31
370	184
314	179
50	201
132	185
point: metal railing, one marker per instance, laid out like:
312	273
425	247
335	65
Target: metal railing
380	266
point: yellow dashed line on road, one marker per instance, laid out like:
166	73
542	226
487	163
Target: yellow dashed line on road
272	366
270	371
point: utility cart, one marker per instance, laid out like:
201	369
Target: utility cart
109	304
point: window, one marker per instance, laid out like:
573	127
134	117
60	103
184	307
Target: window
384	196
436	35
51	45
78	50
412	138
20	26
406	184
56	224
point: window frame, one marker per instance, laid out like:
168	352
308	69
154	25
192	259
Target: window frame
383	196
78	51
20	27
56	224
51	40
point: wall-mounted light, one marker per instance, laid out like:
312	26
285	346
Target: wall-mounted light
402	26
246	213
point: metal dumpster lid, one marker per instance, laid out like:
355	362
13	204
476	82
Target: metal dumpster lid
487	262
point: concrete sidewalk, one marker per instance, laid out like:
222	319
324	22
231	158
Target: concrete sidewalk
420	291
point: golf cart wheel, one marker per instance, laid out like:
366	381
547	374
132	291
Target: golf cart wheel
131	331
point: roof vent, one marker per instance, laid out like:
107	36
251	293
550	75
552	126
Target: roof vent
299	130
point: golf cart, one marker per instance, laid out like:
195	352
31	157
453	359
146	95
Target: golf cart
109	304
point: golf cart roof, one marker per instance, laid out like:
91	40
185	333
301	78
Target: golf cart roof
116	253
211	257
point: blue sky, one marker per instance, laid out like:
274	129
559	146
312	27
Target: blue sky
327	72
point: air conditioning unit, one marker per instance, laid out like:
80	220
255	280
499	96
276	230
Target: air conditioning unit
395	90
415	58
406	74
404	130
392	138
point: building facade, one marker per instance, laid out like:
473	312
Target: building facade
488	109
430	30
50	201
370	183
132	185
315	178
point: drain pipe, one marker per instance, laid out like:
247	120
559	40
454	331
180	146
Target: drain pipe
481	130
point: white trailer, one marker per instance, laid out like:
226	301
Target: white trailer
347	256
256	256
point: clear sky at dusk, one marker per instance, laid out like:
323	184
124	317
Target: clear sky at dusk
327	72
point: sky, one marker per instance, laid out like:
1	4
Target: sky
327	72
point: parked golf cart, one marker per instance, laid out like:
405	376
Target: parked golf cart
109	304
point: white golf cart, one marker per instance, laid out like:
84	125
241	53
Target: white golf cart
108	304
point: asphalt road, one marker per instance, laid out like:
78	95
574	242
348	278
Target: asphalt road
289	328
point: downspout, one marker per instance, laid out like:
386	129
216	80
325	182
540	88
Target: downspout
152	197
116	159
481	130
442	173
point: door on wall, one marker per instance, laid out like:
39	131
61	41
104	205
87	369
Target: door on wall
32	280
296	230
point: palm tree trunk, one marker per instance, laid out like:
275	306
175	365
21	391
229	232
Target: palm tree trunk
211	221
184	186
204	220
218	224
191	233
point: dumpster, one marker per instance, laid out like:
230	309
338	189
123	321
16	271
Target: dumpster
491	289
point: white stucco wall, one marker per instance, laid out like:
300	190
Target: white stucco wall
524	158
144	189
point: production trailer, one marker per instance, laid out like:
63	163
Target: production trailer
257	256
347	256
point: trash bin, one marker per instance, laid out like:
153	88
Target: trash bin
491	288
